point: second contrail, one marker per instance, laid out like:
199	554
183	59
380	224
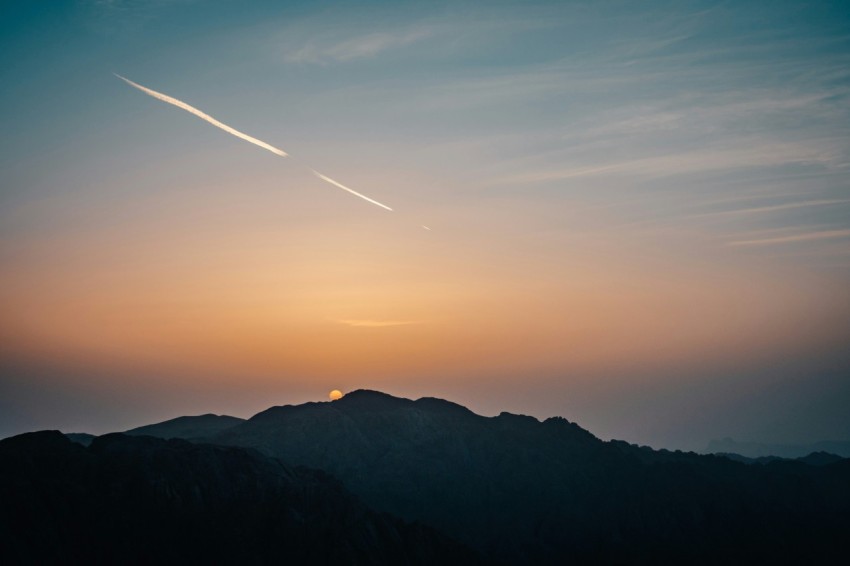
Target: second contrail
206	117
344	188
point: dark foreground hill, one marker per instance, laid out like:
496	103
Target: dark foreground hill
524	491
142	500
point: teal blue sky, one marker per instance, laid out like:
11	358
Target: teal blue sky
644	205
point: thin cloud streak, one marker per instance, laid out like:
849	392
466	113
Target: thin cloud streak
325	41
377	323
760	209
809	236
369	45
682	163
203	116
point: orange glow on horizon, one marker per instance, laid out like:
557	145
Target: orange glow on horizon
240	294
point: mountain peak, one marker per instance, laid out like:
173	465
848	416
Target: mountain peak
371	394
371	400
511	418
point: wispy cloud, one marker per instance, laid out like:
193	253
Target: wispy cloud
330	40
328	49
710	114
804	237
773	208
368	323
764	154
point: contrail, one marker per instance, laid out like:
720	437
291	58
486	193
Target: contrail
238	134
203	116
344	188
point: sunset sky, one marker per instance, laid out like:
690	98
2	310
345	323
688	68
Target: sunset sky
639	212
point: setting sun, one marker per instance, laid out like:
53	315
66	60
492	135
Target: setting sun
335	395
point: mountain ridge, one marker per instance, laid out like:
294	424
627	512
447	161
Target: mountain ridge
531	491
187	427
519	490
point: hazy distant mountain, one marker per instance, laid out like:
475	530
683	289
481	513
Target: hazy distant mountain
759	449
526	491
820	459
187	428
132	500
82	438
813	459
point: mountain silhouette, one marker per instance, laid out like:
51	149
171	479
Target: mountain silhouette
143	500
398	480
524	491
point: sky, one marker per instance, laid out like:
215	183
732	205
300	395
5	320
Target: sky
638	212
